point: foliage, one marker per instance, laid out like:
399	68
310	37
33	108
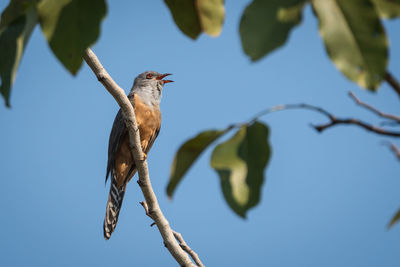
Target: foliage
187	155
16	26
71	26
364	59
195	17
265	25
240	164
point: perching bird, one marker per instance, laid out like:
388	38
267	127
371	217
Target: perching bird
145	97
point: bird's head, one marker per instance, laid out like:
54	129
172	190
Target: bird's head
149	84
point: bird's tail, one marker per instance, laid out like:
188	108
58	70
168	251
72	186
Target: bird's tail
113	207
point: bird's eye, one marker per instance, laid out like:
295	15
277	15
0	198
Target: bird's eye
149	76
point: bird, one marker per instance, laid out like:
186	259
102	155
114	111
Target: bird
145	96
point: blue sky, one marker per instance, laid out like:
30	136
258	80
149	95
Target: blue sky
327	198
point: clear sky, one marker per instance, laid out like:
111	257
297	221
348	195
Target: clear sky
327	198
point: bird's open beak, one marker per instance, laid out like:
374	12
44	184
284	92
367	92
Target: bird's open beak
162	76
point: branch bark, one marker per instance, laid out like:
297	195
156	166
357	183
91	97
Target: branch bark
333	119
178	237
391	80
374	110
352	121
394	149
154	210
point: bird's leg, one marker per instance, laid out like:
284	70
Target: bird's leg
144	156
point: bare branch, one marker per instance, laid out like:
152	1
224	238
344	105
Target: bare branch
178	237
373	109
289	106
186	248
146	208
390	79
333	120
144	179
366	126
394	148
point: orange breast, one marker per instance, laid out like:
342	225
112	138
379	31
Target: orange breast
149	122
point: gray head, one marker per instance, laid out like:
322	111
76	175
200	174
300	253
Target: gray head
148	85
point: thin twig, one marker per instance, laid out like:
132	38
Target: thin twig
289	106
134	139
333	120
394	148
373	109
188	250
146	209
351	121
178	237
390	79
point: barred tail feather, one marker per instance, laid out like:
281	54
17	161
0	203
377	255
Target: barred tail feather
113	207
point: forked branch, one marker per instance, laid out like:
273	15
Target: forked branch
374	110
333	120
178	237
119	95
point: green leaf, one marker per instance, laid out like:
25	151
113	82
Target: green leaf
354	39
17	23
395	219
187	155
266	24
16	9
240	164
70	27
387	9
196	16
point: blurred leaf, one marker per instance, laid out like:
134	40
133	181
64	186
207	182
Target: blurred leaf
240	164
395	219
71	26
354	39
16	9
193	17
188	153
17	22
212	15
387	9
265	25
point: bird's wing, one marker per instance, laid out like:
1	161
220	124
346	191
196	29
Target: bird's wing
149	124
116	136
119	156
151	140
145	149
